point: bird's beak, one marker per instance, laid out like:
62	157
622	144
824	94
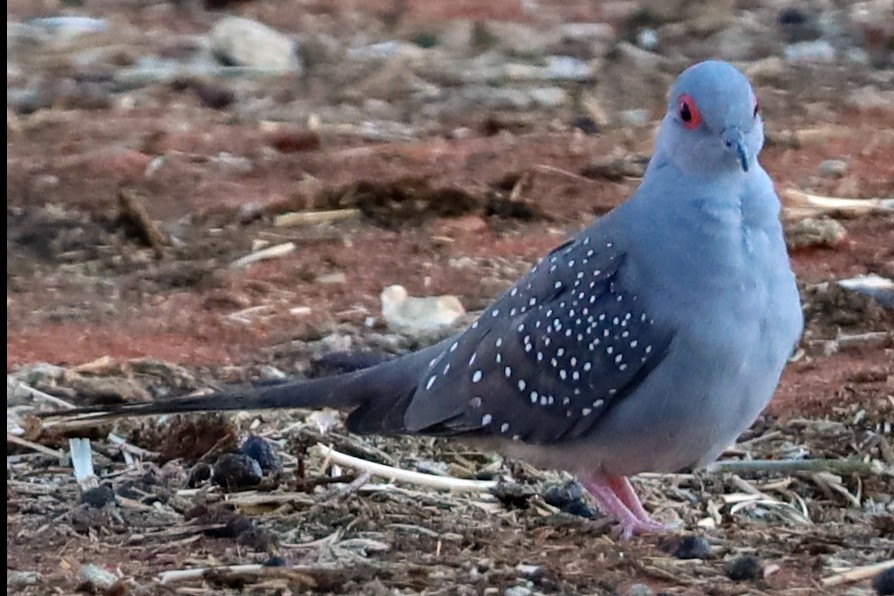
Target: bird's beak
734	139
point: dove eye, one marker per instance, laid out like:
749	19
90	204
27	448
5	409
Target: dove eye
688	112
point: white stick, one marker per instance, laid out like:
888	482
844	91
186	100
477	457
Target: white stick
398	475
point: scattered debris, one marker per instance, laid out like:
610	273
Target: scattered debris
134	214
82	463
272	252
305	218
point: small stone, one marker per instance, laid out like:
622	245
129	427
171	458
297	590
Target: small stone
98	578
639	590
744	568
243	42
569	498
687	547
518	591
833	168
236	471
411	315
814	232
567	68
549	97
819	50
261	451
19	580
797	25
588	31
638	117
231	164
586	125
884	582
200	473
271	373
647	39
531	572
99	496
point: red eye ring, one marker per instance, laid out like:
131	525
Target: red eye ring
688	112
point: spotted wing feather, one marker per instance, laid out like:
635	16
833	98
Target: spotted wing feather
549	357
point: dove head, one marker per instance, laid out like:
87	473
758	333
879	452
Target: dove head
712	122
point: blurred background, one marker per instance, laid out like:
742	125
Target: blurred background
225	190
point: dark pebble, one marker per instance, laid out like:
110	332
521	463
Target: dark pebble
884	582
262	452
236	471
512	496
569	498
586	125
274	562
213	95
687	547
99	496
792	16
744	568
198	475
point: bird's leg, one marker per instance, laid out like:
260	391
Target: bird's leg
617	498
621	486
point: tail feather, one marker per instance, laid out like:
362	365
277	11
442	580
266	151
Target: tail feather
377	397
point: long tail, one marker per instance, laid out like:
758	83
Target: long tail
377	397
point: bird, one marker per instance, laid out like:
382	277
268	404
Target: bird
648	342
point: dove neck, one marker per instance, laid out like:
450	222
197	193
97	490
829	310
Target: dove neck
715	231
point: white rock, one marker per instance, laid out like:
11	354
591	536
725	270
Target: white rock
411	315
245	42
819	50
549	97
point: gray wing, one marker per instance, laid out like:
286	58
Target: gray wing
549	357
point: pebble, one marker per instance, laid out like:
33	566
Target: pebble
518	591
99	496
18	580
833	168
236	471
68	27
99	578
261	450
744	568
819	50
567	68
569	498
245	42
549	97
687	547
639	590
639	117
810	231
587	31
412	316
271	373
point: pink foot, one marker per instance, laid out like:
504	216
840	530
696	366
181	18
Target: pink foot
616	498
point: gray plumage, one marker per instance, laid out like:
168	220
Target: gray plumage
647	342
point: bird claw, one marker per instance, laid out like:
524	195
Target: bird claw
634	527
